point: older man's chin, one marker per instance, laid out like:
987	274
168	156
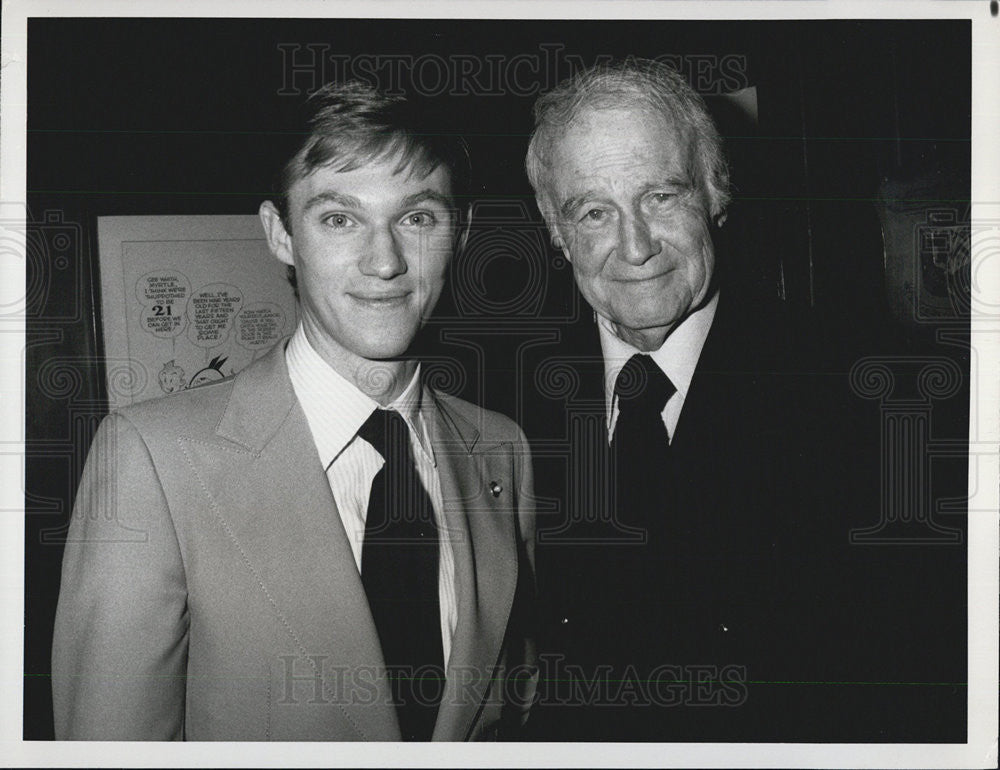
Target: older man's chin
653	330
644	338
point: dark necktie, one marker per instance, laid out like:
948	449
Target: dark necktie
399	570
640	445
632	572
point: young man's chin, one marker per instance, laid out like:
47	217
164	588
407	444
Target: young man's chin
386	353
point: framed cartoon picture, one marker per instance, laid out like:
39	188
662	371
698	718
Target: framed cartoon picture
186	300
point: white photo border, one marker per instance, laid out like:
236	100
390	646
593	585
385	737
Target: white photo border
981	749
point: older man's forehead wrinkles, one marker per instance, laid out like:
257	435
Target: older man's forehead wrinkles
636	166
613	156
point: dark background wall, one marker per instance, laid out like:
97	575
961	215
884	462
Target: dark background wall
179	117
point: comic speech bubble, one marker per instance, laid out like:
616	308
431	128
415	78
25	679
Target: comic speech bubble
162	294
259	325
211	310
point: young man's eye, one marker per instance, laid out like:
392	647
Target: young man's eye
338	221
420	219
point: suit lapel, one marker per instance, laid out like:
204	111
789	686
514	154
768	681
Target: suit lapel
271	496
482	534
272	499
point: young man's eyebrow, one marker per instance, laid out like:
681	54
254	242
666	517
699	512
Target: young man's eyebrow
332	196
427	194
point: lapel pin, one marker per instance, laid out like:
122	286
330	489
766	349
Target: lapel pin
495	488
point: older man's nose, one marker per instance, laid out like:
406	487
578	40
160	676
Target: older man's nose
383	258
636	245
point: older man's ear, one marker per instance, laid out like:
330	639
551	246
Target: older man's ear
558	242
550	217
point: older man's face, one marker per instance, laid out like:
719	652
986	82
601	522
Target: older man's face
632	220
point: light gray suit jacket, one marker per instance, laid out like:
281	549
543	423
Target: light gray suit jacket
209	591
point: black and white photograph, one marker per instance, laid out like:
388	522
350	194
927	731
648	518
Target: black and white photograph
615	383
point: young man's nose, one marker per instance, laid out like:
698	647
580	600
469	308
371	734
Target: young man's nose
383	255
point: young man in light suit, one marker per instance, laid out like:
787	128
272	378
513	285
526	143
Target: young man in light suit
333	550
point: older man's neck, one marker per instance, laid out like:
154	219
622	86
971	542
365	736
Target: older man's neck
645	340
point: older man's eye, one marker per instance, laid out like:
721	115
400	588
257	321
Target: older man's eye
664	197
594	215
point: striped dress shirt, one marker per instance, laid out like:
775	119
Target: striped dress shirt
335	409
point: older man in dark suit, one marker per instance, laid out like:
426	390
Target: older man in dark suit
695	572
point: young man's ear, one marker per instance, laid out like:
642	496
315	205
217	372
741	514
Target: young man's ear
464	227
279	241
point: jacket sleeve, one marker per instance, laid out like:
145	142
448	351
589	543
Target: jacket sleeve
526	503
120	645
522	685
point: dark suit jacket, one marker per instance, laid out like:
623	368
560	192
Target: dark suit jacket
209	591
747	614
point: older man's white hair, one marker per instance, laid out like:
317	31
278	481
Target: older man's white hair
633	82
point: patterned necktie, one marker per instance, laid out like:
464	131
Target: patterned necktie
399	570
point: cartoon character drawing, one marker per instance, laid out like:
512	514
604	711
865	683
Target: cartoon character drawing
171	377
210	373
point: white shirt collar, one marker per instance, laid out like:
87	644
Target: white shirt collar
335	408
677	357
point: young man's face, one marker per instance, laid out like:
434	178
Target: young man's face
370	249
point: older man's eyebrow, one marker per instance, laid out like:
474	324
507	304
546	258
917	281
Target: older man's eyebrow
334	197
425	195
684	183
570	204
